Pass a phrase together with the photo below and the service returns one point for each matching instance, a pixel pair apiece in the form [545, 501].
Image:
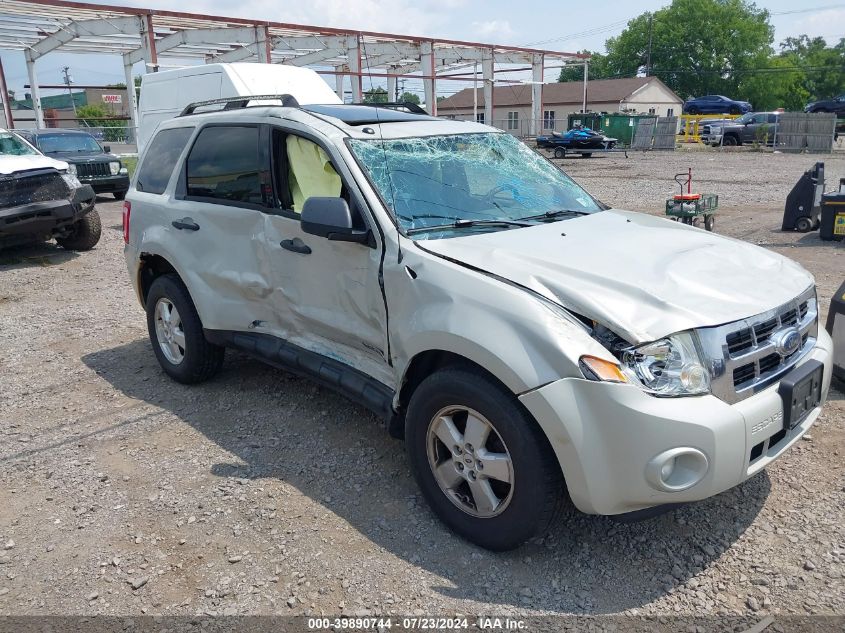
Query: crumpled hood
[12, 164]
[644, 277]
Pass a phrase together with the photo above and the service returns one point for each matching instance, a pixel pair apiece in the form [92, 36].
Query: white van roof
[305, 85]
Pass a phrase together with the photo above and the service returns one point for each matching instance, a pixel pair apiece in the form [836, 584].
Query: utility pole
[648, 58]
[68, 82]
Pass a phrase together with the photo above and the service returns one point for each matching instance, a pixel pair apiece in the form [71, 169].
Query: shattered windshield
[12, 145]
[469, 179]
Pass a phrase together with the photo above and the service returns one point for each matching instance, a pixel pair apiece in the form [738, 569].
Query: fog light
[676, 469]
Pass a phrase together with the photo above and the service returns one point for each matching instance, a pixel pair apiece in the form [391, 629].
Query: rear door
[216, 226]
[327, 295]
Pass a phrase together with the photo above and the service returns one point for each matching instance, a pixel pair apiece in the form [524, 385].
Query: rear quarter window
[160, 159]
[225, 165]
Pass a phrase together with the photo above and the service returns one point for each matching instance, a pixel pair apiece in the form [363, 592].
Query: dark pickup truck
[39, 200]
[835, 105]
[753, 127]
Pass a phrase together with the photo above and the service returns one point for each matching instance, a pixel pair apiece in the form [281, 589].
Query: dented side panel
[328, 301]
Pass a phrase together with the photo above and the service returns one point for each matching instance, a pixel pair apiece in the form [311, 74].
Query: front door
[327, 295]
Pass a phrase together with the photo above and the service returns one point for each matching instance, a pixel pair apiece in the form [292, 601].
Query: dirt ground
[122, 492]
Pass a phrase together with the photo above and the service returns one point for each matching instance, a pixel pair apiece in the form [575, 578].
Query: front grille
[88, 170]
[743, 356]
[37, 186]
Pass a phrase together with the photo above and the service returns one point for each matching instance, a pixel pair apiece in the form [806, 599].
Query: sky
[558, 26]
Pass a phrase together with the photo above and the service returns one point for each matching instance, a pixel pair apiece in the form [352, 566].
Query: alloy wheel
[169, 332]
[470, 462]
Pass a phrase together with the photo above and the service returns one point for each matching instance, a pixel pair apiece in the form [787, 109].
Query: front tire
[176, 333]
[482, 463]
[119, 195]
[84, 233]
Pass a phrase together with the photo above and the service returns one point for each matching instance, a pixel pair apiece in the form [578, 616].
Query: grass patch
[130, 162]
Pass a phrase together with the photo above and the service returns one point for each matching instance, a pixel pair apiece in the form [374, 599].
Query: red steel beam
[296, 27]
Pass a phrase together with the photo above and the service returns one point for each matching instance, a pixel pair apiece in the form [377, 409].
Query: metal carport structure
[150, 35]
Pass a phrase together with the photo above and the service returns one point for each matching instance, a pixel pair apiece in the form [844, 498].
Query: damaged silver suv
[525, 339]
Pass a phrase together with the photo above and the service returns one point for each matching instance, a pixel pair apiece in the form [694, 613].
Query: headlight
[71, 169]
[668, 367]
[114, 168]
[71, 180]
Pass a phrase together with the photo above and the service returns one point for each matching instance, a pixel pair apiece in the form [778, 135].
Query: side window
[225, 164]
[160, 159]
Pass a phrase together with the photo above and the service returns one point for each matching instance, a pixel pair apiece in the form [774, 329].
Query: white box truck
[165, 94]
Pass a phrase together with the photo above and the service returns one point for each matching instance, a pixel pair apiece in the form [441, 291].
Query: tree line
[699, 47]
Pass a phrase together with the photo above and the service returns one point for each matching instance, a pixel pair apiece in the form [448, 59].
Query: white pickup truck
[40, 200]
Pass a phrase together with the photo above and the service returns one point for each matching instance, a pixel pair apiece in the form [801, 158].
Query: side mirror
[332, 219]
[107, 149]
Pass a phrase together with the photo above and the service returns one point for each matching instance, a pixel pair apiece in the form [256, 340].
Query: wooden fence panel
[799, 131]
[664, 133]
[643, 133]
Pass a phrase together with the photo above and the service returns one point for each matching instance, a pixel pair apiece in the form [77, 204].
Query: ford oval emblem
[787, 341]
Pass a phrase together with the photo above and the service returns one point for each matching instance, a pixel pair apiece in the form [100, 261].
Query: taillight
[127, 210]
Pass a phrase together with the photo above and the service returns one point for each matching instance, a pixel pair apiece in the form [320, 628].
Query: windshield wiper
[550, 215]
[466, 223]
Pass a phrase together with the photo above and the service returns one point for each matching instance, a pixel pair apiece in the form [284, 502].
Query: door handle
[296, 245]
[187, 224]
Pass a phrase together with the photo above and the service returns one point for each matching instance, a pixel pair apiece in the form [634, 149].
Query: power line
[809, 10]
[613, 25]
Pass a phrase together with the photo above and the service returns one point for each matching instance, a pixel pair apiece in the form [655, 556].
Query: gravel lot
[122, 492]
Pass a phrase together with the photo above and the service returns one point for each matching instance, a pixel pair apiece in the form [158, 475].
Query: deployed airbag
[311, 172]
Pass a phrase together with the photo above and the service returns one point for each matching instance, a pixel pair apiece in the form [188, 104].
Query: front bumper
[107, 184]
[712, 139]
[605, 435]
[46, 216]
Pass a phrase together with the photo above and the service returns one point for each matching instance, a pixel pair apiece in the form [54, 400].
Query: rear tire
[119, 195]
[84, 233]
[709, 221]
[176, 333]
[489, 439]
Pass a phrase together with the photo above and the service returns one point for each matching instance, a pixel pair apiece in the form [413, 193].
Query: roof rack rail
[413, 108]
[233, 103]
